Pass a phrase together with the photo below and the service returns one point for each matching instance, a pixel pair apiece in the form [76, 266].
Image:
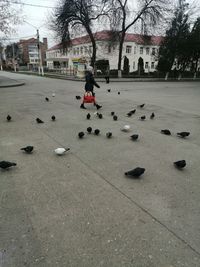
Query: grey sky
[38, 16]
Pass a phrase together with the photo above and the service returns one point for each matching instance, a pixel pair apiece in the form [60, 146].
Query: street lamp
[40, 66]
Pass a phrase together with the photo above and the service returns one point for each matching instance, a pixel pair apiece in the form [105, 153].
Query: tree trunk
[120, 54]
[94, 48]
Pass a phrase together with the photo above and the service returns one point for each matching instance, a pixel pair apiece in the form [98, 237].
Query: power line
[25, 4]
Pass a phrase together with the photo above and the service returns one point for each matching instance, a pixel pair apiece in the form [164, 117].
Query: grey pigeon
[9, 118]
[152, 116]
[166, 132]
[53, 118]
[28, 149]
[109, 135]
[134, 137]
[136, 173]
[6, 164]
[183, 134]
[180, 164]
[81, 134]
[89, 129]
[39, 120]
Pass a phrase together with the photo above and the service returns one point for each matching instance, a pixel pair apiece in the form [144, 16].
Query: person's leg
[82, 105]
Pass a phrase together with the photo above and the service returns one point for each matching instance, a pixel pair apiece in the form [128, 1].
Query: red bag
[88, 97]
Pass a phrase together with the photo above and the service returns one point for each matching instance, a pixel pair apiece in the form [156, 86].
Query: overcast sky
[38, 16]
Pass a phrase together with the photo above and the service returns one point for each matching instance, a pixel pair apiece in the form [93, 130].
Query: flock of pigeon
[135, 173]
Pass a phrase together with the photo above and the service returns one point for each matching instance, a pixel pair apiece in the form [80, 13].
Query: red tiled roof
[106, 36]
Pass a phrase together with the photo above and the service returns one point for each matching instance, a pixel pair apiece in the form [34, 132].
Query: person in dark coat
[89, 85]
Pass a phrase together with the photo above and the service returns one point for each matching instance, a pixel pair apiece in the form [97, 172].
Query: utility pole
[13, 50]
[40, 67]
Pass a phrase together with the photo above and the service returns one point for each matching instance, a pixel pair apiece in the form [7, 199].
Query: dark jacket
[90, 82]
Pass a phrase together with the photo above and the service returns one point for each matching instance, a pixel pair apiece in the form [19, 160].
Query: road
[79, 209]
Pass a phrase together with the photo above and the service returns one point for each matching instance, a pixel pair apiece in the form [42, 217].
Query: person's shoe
[82, 106]
[98, 106]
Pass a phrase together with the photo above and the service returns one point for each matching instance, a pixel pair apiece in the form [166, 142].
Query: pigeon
[53, 94]
[39, 120]
[47, 99]
[142, 118]
[109, 135]
[129, 114]
[89, 130]
[61, 150]
[6, 164]
[118, 93]
[115, 118]
[100, 115]
[137, 172]
[112, 113]
[81, 134]
[134, 137]
[126, 128]
[9, 118]
[183, 134]
[96, 132]
[166, 132]
[141, 106]
[78, 97]
[53, 118]
[180, 164]
[27, 149]
[109, 90]
[152, 116]
[88, 116]
[133, 111]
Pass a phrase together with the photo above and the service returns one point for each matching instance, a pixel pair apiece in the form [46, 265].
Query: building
[79, 52]
[29, 54]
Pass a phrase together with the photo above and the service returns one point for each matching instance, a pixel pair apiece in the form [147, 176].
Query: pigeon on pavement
[180, 164]
[134, 137]
[47, 99]
[142, 118]
[88, 116]
[61, 150]
[126, 128]
[6, 164]
[78, 97]
[136, 173]
[53, 118]
[141, 106]
[152, 116]
[96, 131]
[112, 113]
[108, 134]
[9, 118]
[166, 132]
[89, 129]
[28, 149]
[115, 118]
[39, 120]
[81, 134]
[183, 134]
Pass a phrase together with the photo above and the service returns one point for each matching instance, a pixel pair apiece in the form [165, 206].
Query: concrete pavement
[79, 209]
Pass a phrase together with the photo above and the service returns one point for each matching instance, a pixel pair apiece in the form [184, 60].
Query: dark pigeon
[134, 137]
[53, 118]
[141, 106]
[183, 134]
[109, 90]
[133, 111]
[96, 132]
[112, 113]
[166, 132]
[109, 135]
[88, 116]
[47, 99]
[129, 114]
[136, 173]
[115, 118]
[152, 116]
[9, 118]
[89, 129]
[78, 97]
[6, 164]
[39, 120]
[28, 149]
[81, 134]
[118, 93]
[180, 164]
[100, 115]
[143, 118]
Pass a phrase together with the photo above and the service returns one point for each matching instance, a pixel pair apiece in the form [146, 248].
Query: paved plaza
[79, 210]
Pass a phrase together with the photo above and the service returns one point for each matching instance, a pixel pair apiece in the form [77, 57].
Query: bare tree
[147, 11]
[9, 16]
[78, 14]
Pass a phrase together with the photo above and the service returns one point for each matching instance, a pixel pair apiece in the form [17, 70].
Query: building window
[146, 65]
[81, 50]
[153, 65]
[153, 51]
[135, 49]
[133, 64]
[147, 51]
[128, 49]
[141, 50]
